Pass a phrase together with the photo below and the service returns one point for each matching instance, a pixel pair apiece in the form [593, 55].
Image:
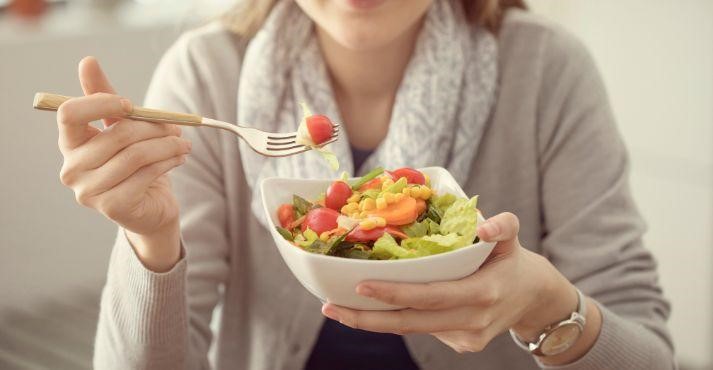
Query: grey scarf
[438, 117]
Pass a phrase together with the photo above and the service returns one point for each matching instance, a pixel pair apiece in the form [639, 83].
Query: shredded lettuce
[433, 244]
[306, 239]
[386, 248]
[398, 186]
[461, 218]
[329, 156]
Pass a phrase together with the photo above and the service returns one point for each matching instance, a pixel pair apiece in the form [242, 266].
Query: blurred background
[656, 57]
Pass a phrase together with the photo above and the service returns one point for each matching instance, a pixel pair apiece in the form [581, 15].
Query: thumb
[503, 229]
[93, 80]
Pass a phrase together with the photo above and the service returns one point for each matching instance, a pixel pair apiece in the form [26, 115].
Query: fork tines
[284, 145]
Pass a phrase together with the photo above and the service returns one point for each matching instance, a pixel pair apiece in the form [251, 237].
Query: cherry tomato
[371, 184]
[396, 232]
[411, 175]
[320, 128]
[286, 215]
[337, 195]
[320, 220]
[359, 235]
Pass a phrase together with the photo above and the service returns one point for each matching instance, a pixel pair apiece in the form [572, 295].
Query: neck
[368, 74]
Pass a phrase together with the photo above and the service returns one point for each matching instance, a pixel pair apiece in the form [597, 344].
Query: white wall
[656, 57]
[48, 244]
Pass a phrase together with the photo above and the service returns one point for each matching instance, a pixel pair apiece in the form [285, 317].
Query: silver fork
[270, 144]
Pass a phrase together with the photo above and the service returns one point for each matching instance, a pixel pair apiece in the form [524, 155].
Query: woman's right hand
[121, 171]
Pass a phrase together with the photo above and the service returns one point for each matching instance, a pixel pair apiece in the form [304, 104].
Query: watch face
[560, 339]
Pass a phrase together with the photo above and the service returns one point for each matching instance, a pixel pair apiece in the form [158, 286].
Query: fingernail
[330, 312]
[126, 105]
[365, 290]
[189, 145]
[490, 228]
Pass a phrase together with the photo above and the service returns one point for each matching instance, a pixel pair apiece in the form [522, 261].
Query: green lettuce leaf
[398, 186]
[461, 218]
[386, 248]
[302, 205]
[416, 229]
[306, 239]
[433, 244]
[285, 233]
[329, 156]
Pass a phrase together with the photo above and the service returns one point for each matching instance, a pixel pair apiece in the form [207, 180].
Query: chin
[361, 38]
[365, 28]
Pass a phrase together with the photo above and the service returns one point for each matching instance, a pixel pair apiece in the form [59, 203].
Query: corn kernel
[380, 221]
[354, 197]
[353, 205]
[399, 197]
[416, 192]
[406, 191]
[346, 209]
[388, 197]
[363, 214]
[324, 236]
[425, 192]
[367, 224]
[381, 203]
[368, 204]
[386, 183]
[354, 215]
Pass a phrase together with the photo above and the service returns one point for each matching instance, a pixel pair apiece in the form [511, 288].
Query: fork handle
[51, 102]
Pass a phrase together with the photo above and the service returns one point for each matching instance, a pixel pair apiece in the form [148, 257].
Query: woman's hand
[121, 171]
[515, 288]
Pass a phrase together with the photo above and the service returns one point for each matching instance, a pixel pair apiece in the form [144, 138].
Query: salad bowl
[334, 279]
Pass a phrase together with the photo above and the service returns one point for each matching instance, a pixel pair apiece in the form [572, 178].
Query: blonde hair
[247, 17]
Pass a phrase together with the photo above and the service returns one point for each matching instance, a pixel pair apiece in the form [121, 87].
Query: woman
[511, 105]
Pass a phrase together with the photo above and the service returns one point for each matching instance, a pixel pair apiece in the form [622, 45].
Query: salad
[313, 131]
[384, 215]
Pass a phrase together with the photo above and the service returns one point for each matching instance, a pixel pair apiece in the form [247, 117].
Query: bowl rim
[479, 244]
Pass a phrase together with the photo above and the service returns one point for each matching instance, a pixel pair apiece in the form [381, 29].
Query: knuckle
[83, 197]
[125, 132]
[66, 112]
[109, 208]
[134, 156]
[66, 176]
[488, 296]
[177, 144]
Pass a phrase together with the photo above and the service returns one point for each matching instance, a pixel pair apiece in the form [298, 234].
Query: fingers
[502, 227]
[142, 179]
[409, 320]
[130, 160]
[102, 147]
[429, 296]
[471, 290]
[74, 116]
[93, 80]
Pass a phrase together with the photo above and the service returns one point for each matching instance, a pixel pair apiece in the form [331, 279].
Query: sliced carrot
[402, 212]
[421, 206]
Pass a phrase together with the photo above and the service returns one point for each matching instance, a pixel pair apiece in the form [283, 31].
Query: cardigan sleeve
[162, 321]
[592, 229]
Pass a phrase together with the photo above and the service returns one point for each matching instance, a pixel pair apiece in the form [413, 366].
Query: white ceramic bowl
[334, 279]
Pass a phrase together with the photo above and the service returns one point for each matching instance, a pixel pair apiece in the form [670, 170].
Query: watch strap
[579, 317]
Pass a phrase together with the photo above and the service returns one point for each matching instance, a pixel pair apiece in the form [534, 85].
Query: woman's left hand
[514, 288]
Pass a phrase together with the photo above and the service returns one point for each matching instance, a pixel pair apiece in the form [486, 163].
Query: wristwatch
[560, 336]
